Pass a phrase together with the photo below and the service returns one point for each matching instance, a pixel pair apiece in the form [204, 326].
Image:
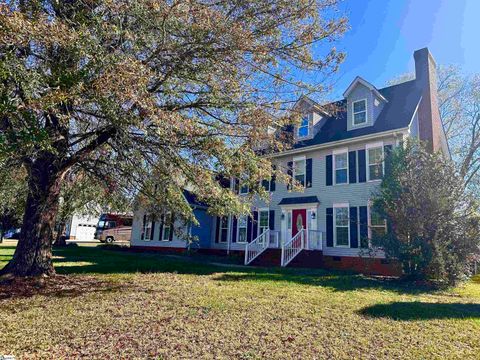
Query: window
[147, 229]
[167, 228]
[242, 229]
[289, 220]
[244, 189]
[375, 163]
[299, 170]
[341, 227]
[263, 216]
[266, 185]
[378, 225]
[223, 229]
[341, 168]
[359, 112]
[304, 127]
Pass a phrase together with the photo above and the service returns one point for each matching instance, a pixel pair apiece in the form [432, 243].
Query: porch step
[308, 259]
[270, 257]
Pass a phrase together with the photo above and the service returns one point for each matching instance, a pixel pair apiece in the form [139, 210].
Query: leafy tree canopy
[151, 96]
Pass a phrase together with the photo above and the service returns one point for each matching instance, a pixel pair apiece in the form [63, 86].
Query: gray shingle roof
[396, 114]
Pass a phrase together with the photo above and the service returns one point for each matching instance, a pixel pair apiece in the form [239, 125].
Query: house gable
[362, 93]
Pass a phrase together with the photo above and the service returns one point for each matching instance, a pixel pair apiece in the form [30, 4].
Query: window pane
[224, 223]
[263, 218]
[300, 167]
[341, 216]
[360, 118]
[375, 171]
[375, 155]
[341, 161]
[166, 233]
[359, 106]
[342, 236]
[303, 128]
[242, 221]
[341, 176]
[376, 219]
[242, 235]
[378, 231]
[289, 220]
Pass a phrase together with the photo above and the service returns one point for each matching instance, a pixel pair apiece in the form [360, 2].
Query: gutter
[339, 142]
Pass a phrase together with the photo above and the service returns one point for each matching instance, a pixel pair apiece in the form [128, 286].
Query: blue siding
[204, 230]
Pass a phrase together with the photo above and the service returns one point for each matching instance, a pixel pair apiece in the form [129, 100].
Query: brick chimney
[429, 122]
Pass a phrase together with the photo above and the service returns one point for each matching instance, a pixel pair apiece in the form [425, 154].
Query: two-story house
[338, 157]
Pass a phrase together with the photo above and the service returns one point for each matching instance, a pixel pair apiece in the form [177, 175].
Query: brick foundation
[306, 259]
[369, 266]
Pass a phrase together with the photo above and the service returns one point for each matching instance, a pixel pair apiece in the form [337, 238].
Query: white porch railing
[257, 246]
[274, 239]
[315, 240]
[293, 247]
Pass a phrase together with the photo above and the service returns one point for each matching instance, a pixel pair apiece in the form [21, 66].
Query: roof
[397, 113]
[192, 199]
[299, 200]
[364, 82]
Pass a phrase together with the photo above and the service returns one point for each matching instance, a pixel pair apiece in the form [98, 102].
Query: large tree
[119, 90]
[459, 105]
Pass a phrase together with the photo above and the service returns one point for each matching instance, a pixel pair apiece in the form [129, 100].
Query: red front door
[299, 220]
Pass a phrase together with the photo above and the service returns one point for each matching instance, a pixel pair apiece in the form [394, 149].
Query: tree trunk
[33, 255]
[61, 240]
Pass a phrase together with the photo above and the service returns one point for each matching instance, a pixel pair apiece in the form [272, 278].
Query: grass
[117, 304]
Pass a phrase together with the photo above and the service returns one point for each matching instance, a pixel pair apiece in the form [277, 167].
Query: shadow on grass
[97, 260]
[412, 311]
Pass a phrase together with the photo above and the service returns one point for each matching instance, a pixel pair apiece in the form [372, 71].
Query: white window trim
[148, 224]
[375, 145]
[294, 160]
[267, 210]
[166, 219]
[335, 153]
[238, 229]
[358, 112]
[309, 127]
[220, 231]
[335, 206]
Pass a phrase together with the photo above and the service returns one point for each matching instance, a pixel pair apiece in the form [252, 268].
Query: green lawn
[116, 304]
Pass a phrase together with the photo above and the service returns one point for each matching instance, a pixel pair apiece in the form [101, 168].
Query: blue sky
[384, 34]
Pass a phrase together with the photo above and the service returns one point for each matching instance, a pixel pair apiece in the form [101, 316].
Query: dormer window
[304, 127]
[359, 112]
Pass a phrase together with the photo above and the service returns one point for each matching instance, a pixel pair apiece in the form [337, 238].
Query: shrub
[433, 222]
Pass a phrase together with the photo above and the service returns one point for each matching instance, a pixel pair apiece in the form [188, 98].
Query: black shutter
[362, 166]
[142, 237]
[236, 186]
[217, 228]
[290, 173]
[162, 220]
[172, 221]
[387, 150]
[273, 179]
[308, 170]
[271, 220]
[255, 225]
[234, 229]
[352, 167]
[265, 184]
[152, 232]
[329, 170]
[330, 227]
[353, 227]
[363, 227]
[249, 229]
